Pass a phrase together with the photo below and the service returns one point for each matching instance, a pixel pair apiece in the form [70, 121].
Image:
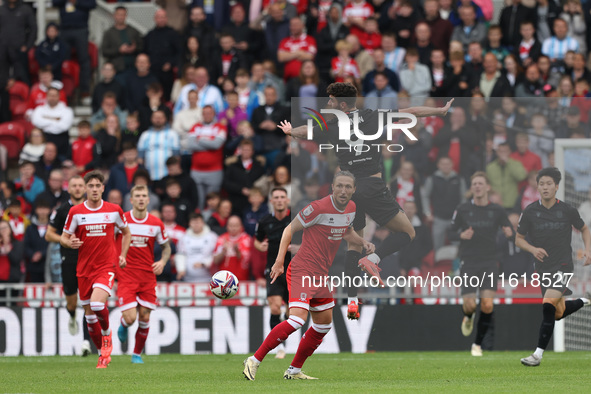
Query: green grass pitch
[357, 373]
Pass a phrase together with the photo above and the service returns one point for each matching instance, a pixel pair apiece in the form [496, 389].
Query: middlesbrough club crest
[107, 217]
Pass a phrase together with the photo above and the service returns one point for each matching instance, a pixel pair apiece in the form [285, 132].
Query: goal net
[573, 159]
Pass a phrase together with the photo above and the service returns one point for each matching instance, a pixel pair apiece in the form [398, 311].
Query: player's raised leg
[297, 318]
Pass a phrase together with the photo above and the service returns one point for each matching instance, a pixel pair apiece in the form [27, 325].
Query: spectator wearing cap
[109, 106]
[55, 119]
[163, 45]
[121, 43]
[108, 84]
[74, 24]
[556, 46]
[54, 195]
[137, 83]
[188, 186]
[52, 51]
[296, 48]
[153, 102]
[206, 94]
[157, 144]
[28, 185]
[18, 32]
[38, 94]
[122, 173]
[142, 177]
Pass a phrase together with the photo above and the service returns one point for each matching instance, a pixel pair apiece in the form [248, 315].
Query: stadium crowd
[191, 109]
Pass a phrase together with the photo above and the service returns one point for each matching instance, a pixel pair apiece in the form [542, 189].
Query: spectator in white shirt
[187, 118]
[207, 94]
[195, 251]
[55, 118]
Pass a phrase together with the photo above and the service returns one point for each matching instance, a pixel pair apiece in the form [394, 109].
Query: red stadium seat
[33, 66]
[20, 91]
[26, 125]
[18, 110]
[94, 55]
[71, 69]
[12, 136]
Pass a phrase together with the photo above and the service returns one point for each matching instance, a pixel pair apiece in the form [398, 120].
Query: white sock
[254, 359]
[374, 258]
[585, 300]
[539, 352]
[106, 332]
[293, 370]
[352, 299]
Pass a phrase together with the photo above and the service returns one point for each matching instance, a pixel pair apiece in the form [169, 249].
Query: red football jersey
[357, 10]
[144, 234]
[96, 229]
[324, 227]
[239, 267]
[38, 96]
[211, 159]
[293, 44]
[175, 232]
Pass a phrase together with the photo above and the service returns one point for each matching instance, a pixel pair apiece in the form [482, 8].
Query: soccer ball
[224, 285]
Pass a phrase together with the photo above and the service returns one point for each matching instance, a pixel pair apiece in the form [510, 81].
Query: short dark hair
[245, 142]
[127, 145]
[278, 189]
[552, 172]
[382, 74]
[41, 203]
[94, 175]
[195, 215]
[26, 163]
[172, 160]
[345, 91]
[141, 173]
[172, 181]
[120, 8]
[84, 123]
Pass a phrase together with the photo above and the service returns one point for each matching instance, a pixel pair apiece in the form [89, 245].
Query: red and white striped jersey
[175, 232]
[208, 160]
[292, 44]
[357, 10]
[350, 66]
[324, 227]
[144, 234]
[96, 229]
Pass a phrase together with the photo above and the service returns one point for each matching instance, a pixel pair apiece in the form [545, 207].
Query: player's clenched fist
[122, 262]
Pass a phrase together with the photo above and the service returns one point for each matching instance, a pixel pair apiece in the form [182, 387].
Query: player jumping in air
[548, 224]
[267, 239]
[90, 227]
[325, 223]
[373, 197]
[478, 222]
[137, 279]
[57, 221]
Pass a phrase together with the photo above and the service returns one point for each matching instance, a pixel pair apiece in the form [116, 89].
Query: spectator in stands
[371, 39]
[173, 196]
[442, 193]
[185, 119]
[33, 150]
[406, 186]
[556, 46]
[354, 15]
[173, 229]
[121, 44]
[219, 218]
[438, 70]
[137, 83]
[17, 219]
[153, 102]
[249, 41]
[131, 132]
[573, 125]
[403, 20]
[541, 138]
[265, 120]
[156, 144]
[35, 243]
[18, 32]
[531, 85]
[529, 48]
[188, 186]
[52, 51]
[192, 57]
[38, 94]
[55, 119]
[394, 55]
[457, 141]
[206, 142]
[380, 66]
[142, 177]
[48, 162]
[491, 82]
[195, 251]
[307, 86]
[296, 48]
[109, 106]
[115, 197]
[505, 174]
[121, 174]
[234, 114]
[11, 257]
[471, 30]
[212, 202]
[343, 65]
[383, 96]
[579, 70]
[185, 78]
[74, 24]
[199, 28]
[207, 94]
[8, 192]
[512, 17]
[228, 60]
[54, 195]
[415, 77]
[108, 145]
[277, 28]
[411, 257]
[82, 147]
[241, 174]
[475, 65]
[163, 45]
[422, 42]
[108, 84]
[254, 211]
[362, 57]
[530, 161]
[493, 44]
[529, 193]
[575, 17]
[233, 250]
[441, 29]
[328, 37]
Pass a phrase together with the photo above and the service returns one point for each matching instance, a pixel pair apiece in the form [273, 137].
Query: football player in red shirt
[90, 228]
[325, 223]
[137, 280]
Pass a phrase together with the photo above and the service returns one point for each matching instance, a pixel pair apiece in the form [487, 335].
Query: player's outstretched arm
[586, 234]
[522, 244]
[421, 112]
[293, 227]
[298, 132]
[158, 266]
[125, 241]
